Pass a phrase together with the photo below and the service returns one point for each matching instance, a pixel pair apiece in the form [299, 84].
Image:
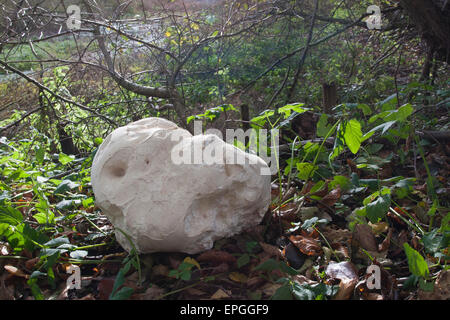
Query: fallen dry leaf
[220, 294]
[374, 296]
[331, 198]
[337, 235]
[341, 250]
[346, 287]
[152, 293]
[160, 270]
[364, 238]
[271, 250]
[386, 242]
[30, 263]
[379, 227]
[269, 289]
[255, 282]
[6, 293]
[323, 191]
[238, 277]
[347, 274]
[306, 245]
[195, 292]
[287, 212]
[104, 288]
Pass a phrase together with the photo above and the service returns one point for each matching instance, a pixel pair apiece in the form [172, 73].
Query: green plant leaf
[10, 215]
[243, 260]
[377, 209]
[432, 241]
[305, 170]
[64, 186]
[287, 109]
[353, 135]
[123, 294]
[417, 264]
[65, 159]
[283, 293]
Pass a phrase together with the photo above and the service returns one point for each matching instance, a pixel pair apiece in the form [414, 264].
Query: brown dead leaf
[341, 250]
[331, 198]
[352, 166]
[307, 187]
[105, 288]
[287, 212]
[374, 296]
[306, 245]
[132, 281]
[220, 294]
[269, 289]
[386, 242]
[346, 287]
[323, 191]
[238, 277]
[216, 257]
[379, 227]
[255, 282]
[301, 279]
[29, 264]
[364, 238]
[337, 235]
[6, 293]
[271, 250]
[195, 292]
[221, 268]
[347, 274]
[152, 293]
[160, 270]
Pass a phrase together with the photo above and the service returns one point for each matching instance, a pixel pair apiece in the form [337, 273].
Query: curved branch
[41, 86]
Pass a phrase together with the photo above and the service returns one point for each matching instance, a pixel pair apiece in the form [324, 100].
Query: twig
[41, 86]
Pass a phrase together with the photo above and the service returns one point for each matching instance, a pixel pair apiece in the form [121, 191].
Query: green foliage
[292, 290]
[212, 114]
[417, 264]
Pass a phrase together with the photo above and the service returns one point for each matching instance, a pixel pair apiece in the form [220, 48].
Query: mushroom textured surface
[170, 191]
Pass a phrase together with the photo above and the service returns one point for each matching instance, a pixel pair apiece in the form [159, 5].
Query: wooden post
[329, 97]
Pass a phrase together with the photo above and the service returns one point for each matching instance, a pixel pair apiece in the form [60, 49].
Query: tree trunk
[432, 19]
[329, 97]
